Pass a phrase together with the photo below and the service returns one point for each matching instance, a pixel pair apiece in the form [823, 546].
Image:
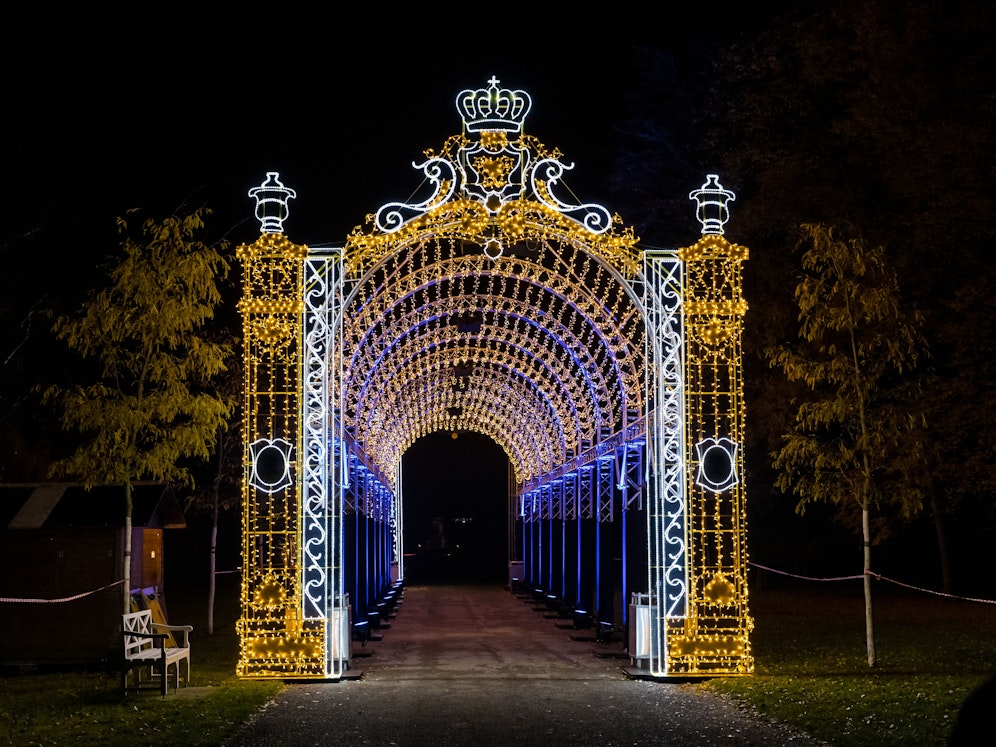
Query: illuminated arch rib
[570, 377]
[553, 343]
[450, 364]
[515, 421]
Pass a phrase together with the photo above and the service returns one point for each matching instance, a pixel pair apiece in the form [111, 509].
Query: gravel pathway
[464, 665]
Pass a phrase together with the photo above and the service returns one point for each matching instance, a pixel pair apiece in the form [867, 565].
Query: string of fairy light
[714, 311]
[272, 628]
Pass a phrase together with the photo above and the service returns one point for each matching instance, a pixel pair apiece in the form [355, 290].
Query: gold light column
[713, 638]
[275, 640]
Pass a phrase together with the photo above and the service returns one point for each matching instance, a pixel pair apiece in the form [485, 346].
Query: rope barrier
[64, 599]
[931, 591]
[17, 600]
[807, 578]
[879, 577]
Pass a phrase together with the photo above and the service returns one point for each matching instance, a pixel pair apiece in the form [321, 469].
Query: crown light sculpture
[491, 176]
[609, 373]
[493, 109]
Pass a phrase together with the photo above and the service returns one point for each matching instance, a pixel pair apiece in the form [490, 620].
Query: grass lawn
[808, 643]
[812, 671]
[77, 707]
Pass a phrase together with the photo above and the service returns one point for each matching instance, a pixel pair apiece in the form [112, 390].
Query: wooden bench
[152, 649]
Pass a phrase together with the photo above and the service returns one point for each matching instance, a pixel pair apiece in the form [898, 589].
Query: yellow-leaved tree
[154, 406]
[856, 432]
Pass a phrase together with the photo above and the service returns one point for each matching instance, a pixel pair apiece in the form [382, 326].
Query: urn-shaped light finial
[712, 202]
[271, 203]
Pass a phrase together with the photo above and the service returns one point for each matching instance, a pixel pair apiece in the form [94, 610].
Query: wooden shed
[61, 554]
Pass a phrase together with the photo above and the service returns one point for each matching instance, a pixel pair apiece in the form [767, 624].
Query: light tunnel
[608, 373]
[468, 343]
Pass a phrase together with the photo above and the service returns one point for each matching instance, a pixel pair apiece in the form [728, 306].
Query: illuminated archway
[609, 374]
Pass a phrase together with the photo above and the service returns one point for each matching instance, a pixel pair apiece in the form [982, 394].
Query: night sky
[107, 110]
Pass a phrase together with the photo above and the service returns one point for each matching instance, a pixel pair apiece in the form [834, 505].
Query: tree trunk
[213, 569]
[215, 510]
[126, 560]
[942, 541]
[866, 486]
[869, 627]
